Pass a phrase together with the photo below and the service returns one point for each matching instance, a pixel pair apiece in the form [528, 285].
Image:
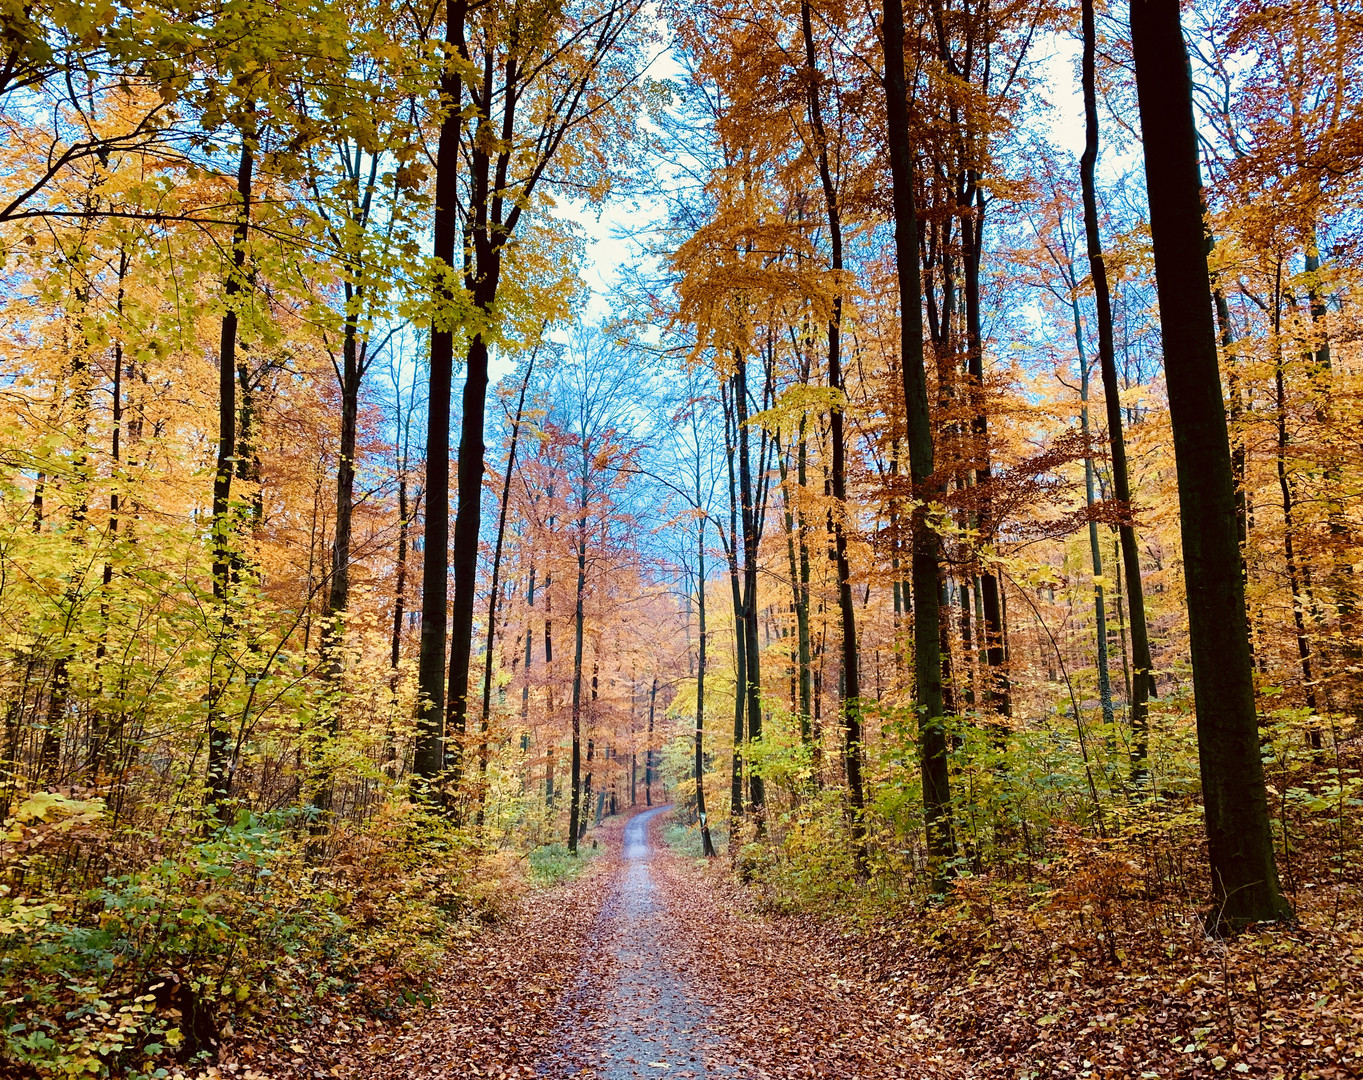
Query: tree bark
[575, 817]
[1244, 875]
[926, 601]
[749, 517]
[1095, 553]
[219, 786]
[708, 845]
[496, 594]
[1142, 679]
[851, 674]
[429, 758]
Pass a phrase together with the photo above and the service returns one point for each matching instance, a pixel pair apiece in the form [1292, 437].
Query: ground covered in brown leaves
[651, 964]
[643, 966]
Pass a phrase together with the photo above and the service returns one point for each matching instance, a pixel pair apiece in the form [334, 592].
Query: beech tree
[1243, 870]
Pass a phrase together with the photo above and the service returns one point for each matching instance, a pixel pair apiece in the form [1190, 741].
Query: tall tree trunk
[799, 581]
[400, 580]
[575, 809]
[496, 594]
[648, 745]
[1341, 577]
[1000, 692]
[749, 513]
[338, 593]
[529, 647]
[1142, 680]
[707, 844]
[1294, 575]
[1244, 874]
[736, 809]
[1095, 553]
[105, 731]
[926, 602]
[429, 756]
[219, 787]
[851, 674]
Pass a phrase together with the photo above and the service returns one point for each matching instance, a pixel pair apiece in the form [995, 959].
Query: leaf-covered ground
[653, 964]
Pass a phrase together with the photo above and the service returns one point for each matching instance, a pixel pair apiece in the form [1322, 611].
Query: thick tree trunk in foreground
[1240, 842]
[926, 600]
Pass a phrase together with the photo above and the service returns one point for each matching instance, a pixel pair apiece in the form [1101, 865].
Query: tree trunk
[707, 844]
[1294, 575]
[429, 758]
[1095, 553]
[926, 602]
[1244, 874]
[740, 636]
[575, 817]
[1142, 681]
[851, 675]
[749, 513]
[219, 786]
[1000, 692]
[496, 595]
[648, 748]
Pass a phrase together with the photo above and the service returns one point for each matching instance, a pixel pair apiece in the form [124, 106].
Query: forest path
[630, 1013]
[651, 964]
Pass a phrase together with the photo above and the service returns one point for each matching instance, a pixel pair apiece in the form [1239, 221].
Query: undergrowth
[127, 949]
[1072, 928]
[551, 864]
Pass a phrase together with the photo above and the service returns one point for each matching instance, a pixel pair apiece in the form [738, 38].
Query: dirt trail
[630, 1012]
[651, 966]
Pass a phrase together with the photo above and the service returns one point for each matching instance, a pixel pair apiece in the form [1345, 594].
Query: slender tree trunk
[105, 733]
[748, 516]
[1294, 575]
[1095, 553]
[927, 609]
[219, 786]
[496, 595]
[1244, 875]
[575, 808]
[1142, 681]
[529, 648]
[851, 675]
[999, 689]
[1341, 575]
[707, 844]
[648, 748]
[797, 551]
[740, 633]
[400, 580]
[429, 758]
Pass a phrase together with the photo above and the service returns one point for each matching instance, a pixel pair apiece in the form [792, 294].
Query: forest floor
[650, 965]
[643, 966]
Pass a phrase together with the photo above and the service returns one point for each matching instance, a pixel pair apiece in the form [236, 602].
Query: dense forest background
[357, 561]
